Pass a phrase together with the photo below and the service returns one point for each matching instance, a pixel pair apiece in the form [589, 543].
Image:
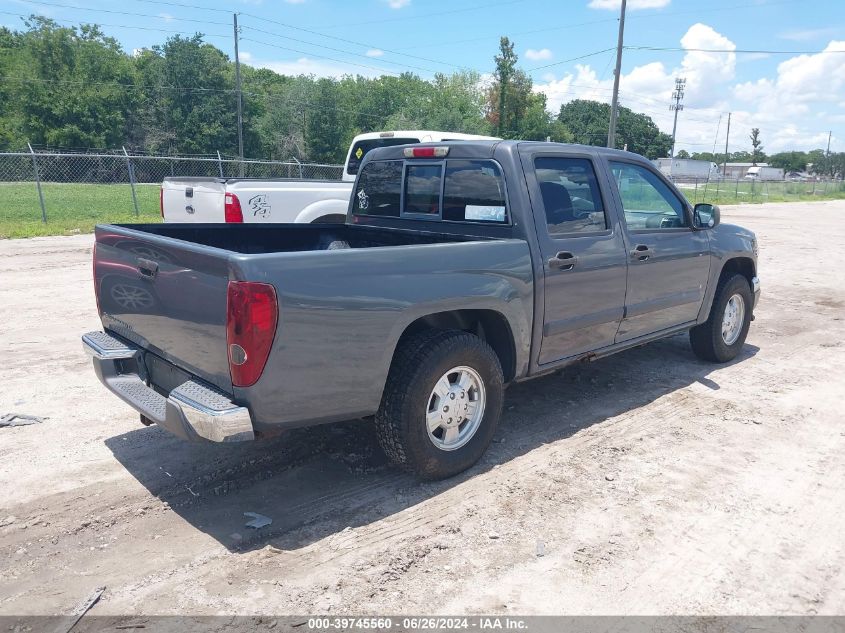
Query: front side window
[570, 195]
[647, 200]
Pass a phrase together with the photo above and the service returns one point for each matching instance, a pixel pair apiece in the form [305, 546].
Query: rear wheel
[441, 403]
[721, 337]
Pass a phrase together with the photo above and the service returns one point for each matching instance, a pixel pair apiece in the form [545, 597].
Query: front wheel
[721, 337]
[441, 404]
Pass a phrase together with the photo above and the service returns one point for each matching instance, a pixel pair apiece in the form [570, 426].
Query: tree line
[817, 161]
[75, 87]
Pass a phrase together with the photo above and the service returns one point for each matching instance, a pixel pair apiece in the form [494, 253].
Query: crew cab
[262, 201]
[461, 268]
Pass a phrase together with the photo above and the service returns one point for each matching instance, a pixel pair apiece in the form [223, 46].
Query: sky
[791, 85]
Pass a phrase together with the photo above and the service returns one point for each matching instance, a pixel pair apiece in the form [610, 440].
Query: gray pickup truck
[462, 267]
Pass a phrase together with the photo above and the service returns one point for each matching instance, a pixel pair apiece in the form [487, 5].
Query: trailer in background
[688, 169]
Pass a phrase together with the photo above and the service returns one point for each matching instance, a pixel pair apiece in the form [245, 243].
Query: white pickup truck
[282, 200]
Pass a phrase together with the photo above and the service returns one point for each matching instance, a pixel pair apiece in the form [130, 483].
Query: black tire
[418, 364]
[706, 339]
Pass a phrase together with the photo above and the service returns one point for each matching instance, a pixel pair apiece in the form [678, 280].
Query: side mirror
[705, 215]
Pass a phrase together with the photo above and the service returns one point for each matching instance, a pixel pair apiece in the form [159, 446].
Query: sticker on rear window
[484, 213]
[363, 200]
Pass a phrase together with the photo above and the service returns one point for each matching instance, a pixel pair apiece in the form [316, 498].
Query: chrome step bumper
[193, 410]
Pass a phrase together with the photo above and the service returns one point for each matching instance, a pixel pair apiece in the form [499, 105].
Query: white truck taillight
[232, 209]
[252, 312]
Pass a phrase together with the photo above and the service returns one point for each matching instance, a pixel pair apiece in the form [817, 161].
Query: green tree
[189, 98]
[757, 154]
[505, 67]
[789, 161]
[66, 87]
[588, 122]
[682, 154]
[322, 139]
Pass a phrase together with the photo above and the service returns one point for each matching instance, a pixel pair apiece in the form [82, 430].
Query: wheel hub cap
[733, 319]
[455, 408]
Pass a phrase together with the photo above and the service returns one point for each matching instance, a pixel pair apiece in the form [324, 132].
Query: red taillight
[161, 201]
[425, 152]
[233, 209]
[252, 313]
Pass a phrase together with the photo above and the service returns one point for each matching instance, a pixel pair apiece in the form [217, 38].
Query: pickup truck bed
[461, 268]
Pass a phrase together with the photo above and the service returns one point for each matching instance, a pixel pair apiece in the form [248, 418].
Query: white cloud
[245, 56]
[374, 52]
[788, 108]
[166, 17]
[803, 35]
[398, 4]
[538, 55]
[632, 5]
[295, 1]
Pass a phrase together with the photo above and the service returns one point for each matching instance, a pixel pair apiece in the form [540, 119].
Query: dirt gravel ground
[645, 483]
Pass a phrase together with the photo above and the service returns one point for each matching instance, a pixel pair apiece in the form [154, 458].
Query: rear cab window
[362, 147]
[452, 190]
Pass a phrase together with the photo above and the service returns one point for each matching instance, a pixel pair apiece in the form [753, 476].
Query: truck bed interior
[274, 238]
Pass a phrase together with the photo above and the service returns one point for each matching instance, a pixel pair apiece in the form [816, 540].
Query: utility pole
[678, 95]
[614, 106]
[727, 137]
[827, 153]
[238, 95]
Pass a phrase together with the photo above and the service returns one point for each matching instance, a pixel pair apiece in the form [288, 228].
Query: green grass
[731, 192]
[72, 208]
[76, 208]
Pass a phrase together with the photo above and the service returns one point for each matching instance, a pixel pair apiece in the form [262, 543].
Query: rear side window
[465, 191]
[362, 147]
[474, 192]
[570, 193]
[379, 189]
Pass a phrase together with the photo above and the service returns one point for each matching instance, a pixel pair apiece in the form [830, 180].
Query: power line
[333, 59]
[724, 50]
[427, 15]
[170, 3]
[346, 40]
[572, 59]
[338, 50]
[138, 15]
[115, 26]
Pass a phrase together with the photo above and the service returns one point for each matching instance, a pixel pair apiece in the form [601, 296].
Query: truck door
[668, 261]
[583, 254]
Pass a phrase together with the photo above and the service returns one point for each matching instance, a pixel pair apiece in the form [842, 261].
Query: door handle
[147, 268]
[641, 253]
[564, 260]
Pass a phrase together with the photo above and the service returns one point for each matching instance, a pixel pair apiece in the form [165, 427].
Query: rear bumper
[755, 288]
[192, 411]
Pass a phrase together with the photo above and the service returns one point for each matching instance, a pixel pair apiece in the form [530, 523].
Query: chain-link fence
[723, 191]
[70, 192]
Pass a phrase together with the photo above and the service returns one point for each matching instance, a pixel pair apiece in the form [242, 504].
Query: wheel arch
[738, 265]
[489, 325]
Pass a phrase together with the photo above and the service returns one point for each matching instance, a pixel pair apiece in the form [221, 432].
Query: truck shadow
[316, 482]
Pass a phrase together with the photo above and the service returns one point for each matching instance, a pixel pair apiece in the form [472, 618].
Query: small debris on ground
[19, 419]
[540, 549]
[258, 520]
[610, 477]
[493, 535]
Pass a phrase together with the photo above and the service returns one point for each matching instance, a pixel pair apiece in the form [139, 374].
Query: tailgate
[167, 296]
[193, 200]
